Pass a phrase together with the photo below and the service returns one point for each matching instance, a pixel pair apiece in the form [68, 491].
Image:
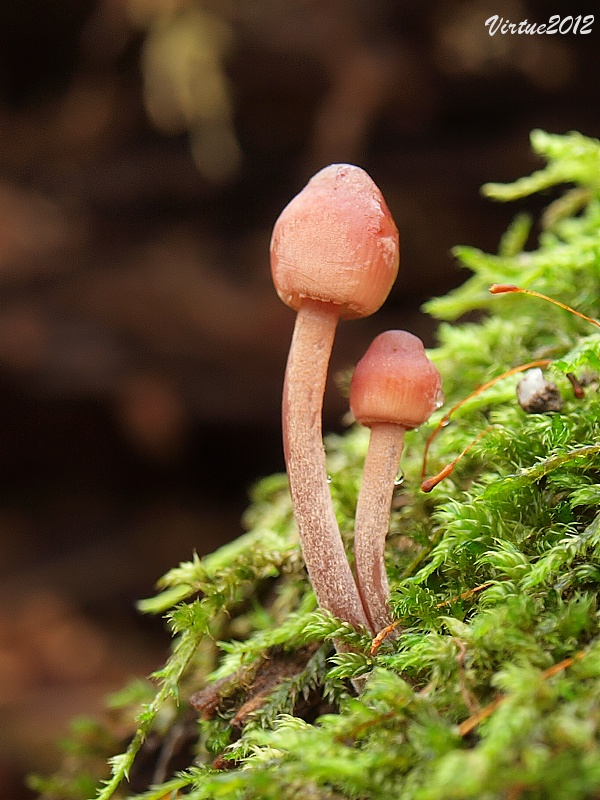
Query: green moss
[518, 516]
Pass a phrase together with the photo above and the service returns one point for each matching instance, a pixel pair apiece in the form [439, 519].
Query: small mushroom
[394, 388]
[334, 253]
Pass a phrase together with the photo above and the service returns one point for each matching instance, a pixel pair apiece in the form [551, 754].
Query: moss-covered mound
[490, 686]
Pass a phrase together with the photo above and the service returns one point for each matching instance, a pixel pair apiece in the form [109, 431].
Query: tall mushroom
[334, 254]
[394, 388]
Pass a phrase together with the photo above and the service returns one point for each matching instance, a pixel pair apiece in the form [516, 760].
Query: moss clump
[492, 693]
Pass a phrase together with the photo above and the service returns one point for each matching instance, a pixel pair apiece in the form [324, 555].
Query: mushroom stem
[372, 520]
[304, 387]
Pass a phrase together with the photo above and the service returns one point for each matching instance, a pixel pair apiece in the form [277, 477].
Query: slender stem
[373, 519]
[430, 483]
[304, 387]
[503, 288]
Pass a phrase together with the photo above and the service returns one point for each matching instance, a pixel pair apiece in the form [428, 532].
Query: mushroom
[394, 388]
[334, 254]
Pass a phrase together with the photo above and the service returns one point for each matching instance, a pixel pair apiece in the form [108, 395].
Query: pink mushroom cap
[395, 382]
[336, 242]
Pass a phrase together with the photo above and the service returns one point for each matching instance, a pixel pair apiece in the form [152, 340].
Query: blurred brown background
[146, 148]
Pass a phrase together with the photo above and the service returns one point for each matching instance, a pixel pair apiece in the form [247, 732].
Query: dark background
[146, 148]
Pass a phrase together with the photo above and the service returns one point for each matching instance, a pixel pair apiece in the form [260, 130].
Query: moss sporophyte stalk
[490, 686]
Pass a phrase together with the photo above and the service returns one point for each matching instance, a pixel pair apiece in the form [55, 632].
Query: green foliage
[492, 693]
